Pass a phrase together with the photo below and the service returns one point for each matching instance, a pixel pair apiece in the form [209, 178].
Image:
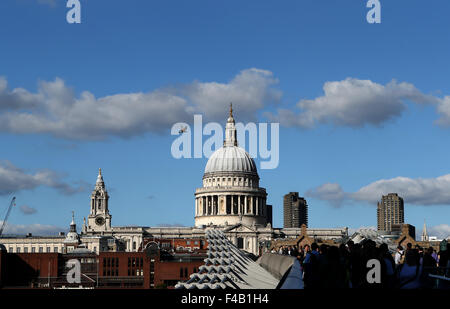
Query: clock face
[99, 221]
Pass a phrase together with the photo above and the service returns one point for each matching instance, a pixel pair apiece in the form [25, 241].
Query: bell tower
[99, 219]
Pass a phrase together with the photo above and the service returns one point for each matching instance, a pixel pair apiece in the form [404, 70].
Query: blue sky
[359, 105]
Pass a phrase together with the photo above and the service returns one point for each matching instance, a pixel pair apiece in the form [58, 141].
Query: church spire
[230, 130]
[100, 177]
[424, 232]
[73, 226]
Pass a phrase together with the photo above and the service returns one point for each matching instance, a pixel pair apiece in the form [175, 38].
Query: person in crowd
[302, 254]
[356, 266]
[388, 275]
[443, 254]
[289, 250]
[435, 256]
[337, 268]
[408, 246]
[294, 251]
[311, 277]
[399, 256]
[429, 267]
[410, 273]
[344, 260]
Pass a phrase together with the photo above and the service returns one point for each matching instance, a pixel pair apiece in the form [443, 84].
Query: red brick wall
[171, 270]
[44, 263]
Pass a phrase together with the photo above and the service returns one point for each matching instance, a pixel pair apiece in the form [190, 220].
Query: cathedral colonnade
[230, 204]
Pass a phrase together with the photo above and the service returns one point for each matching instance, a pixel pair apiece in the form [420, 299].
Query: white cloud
[442, 231]
[443, 109]
[27, 210]
[250, 91]
[14, 179]
[36, 229]
[54, 109]
[331, 192]
[417, 191]
[354, 103]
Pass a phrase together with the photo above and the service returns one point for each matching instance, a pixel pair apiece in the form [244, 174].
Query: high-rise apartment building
[295, 210]
[390, 212]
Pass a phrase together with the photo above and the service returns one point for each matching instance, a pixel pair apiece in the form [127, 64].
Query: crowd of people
[345, 266]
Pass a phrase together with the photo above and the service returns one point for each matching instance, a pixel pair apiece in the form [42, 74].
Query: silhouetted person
[388, 275]
[311, 268]
[409, 273]
[429, 267]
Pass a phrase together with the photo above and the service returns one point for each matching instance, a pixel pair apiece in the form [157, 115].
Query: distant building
[390, 213]
[295, 210]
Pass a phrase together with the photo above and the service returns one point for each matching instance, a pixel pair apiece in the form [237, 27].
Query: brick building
[150, 268]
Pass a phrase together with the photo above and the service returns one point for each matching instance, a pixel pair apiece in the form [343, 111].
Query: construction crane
[13, 203]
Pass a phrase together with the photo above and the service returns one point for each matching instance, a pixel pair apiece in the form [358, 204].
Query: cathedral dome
[230, 159]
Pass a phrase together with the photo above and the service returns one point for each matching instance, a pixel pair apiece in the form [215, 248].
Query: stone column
[232, 202]
[209, 205]
[239, 204]
[245, 204]
[257, 205]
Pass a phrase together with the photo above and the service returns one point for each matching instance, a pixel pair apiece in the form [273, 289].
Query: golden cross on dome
[231, 109]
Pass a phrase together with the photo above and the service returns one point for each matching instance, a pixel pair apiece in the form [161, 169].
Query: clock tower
[99, 219]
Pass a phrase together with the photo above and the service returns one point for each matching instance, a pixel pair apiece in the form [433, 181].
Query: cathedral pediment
[241, 228]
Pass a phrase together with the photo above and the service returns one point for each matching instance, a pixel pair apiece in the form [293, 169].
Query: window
[18, 250]
[25, 249]
[41, 249]
[55, 249]
[48, 249]
[10, 249]
[33, 249]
